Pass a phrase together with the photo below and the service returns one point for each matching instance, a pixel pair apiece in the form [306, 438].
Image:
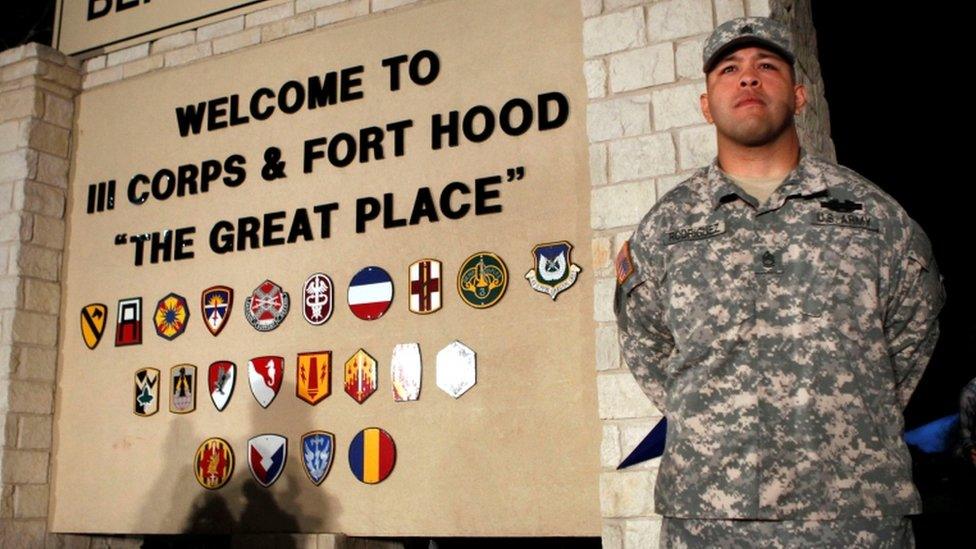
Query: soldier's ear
[799, 97]
[706, 111]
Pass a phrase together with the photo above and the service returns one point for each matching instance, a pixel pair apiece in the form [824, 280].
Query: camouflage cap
[747, 31]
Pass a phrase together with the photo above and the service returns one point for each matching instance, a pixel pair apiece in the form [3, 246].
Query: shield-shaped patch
[93, 319]
[147, 392]
[264, 374]
[314, 375]
[425, 286]
[317, 450]
[555, 270]
[183, 396]
[216, 303]
[220, 381]
[266, 455]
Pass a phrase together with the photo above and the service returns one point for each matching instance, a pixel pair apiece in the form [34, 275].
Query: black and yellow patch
[93, 319]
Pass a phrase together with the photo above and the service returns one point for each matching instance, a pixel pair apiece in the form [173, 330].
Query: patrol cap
[747, 31]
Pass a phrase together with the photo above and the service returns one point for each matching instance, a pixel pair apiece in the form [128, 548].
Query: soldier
[780, 310]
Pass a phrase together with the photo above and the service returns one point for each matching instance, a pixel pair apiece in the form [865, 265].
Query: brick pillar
[647, 133]
[37, 90]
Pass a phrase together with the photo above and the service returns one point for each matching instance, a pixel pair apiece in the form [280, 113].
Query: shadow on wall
[230, 515]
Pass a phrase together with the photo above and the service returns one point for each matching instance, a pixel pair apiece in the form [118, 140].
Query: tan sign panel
[459, 136]
[84, 26]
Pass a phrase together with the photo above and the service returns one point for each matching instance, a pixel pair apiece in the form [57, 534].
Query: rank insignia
[425, 286]
[482, 280]
[214, 463]
[128, 330]
[624, 266]
[220, 380]
[171, 316]
[372, 455]
[317, 294]
[456, 371]
[147, 392]
[266, 455]
[216, 303]
[360, 378]
[266, 307]
[555, 270]
[405, 372]
[265, 373]
[93, 319]
[370, 293]
[183, 396]
[314, 376]
[317, 450]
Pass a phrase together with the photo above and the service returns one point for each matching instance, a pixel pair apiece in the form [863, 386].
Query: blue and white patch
[555, 270]
[318, 447]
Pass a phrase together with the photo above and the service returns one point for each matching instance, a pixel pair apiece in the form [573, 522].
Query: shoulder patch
[624, 265]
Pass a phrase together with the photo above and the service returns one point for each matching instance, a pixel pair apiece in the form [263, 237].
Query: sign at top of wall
[98, 26]
[425, 172]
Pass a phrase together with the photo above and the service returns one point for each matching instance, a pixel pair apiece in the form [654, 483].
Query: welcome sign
[341, 278]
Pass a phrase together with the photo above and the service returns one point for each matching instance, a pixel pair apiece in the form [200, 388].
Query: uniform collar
[804, 180]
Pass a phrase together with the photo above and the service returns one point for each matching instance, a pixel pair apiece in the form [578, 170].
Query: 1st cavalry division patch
[147, 392]
[267, 306]
[214, 463]
[482, 280]
[171, 316]
[216, 304]
[93, 319]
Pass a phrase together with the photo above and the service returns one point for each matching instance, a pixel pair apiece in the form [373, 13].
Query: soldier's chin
[755, 136]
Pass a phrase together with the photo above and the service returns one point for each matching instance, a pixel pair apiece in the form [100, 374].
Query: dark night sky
[892, 77]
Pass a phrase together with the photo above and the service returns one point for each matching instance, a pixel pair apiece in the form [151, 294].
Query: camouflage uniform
[782, 341]
[967, 420]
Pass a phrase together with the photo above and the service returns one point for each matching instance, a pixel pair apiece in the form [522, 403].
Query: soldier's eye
[727, 68]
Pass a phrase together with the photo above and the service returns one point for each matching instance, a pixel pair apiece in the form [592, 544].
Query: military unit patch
[266, 455]
[482, 280]
[360, 376]
[372, 455]
[147, 392]
[314, 375]
[318, 448]
[456, 369]
[624, 266]
[267, 306]
[555, 270]
[214, 463]
[128, 329]
[220, 381]
[183, 396]
[93, 319]
[370, 293]
[317, 299]
[265, 374]
[171, 316]
[216, 303]
[425, 286]
[405, 370]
